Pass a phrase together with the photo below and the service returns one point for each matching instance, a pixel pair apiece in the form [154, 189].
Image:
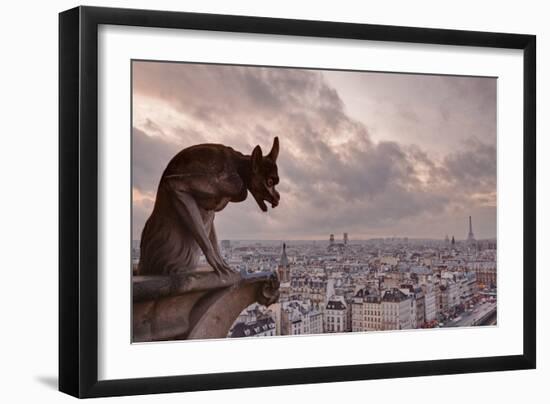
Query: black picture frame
[78, 200]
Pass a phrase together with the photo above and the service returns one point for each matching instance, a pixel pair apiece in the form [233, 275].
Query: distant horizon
[351, 240]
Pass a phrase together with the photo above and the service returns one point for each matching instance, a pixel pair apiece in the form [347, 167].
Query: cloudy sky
[371, 154]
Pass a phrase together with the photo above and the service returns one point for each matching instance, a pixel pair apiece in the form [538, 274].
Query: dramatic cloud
[338, 172]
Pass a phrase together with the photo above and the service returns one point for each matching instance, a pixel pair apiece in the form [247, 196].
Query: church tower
[283, 270]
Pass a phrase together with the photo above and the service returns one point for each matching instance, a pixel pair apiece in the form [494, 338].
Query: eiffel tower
[471, 239]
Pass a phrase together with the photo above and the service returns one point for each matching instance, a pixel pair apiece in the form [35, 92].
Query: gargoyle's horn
[256, 158]
[274, 150]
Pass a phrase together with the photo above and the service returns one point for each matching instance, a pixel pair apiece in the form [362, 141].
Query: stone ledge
[196, 305]
[149, 287]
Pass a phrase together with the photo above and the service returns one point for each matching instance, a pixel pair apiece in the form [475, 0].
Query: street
[470, 318]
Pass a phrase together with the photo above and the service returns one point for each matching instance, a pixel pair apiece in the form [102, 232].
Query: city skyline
[344, 287]
[345, 238]
[341, 287]
[374, 154]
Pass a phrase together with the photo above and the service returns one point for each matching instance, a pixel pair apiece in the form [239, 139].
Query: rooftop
[253, 328]
[394, 295]
[336, 303]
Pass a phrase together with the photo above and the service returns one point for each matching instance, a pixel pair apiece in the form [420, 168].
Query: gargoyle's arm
[189, 213]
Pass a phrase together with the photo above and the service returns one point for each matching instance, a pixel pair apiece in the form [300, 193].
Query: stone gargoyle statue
[173, 297]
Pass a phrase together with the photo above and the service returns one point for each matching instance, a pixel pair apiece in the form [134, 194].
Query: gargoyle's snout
[271, 196]
[275, 198]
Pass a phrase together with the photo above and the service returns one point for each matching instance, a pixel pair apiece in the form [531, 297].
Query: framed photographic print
[250, 201]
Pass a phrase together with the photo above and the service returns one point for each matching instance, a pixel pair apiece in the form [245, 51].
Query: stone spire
[283, 270]
[284, 259]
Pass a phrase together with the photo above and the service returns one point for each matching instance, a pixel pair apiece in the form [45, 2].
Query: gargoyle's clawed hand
[224, 269]
[219, 265]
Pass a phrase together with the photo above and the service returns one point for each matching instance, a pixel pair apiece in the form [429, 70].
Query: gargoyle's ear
[274, 150]
[256, 158]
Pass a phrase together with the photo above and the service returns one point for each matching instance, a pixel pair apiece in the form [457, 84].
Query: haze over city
[371, 154]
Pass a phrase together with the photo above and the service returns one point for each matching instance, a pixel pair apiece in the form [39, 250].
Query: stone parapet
[196, 305]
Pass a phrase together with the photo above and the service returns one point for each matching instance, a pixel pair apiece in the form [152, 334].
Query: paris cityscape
[383, 218]
[343, 285]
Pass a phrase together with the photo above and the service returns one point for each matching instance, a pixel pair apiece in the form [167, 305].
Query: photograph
[283, 201]
[228, 202]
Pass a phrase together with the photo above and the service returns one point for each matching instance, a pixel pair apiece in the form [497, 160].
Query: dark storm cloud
[334, 177]
[473, 167]
[150, 155]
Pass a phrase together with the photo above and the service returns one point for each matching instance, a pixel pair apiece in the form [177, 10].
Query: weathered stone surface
[198, 182]
[196, 305]
[172, 299]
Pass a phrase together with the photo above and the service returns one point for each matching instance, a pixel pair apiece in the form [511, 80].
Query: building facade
[396, 310]
[297, 318]
[366, 312]
[336, 315]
